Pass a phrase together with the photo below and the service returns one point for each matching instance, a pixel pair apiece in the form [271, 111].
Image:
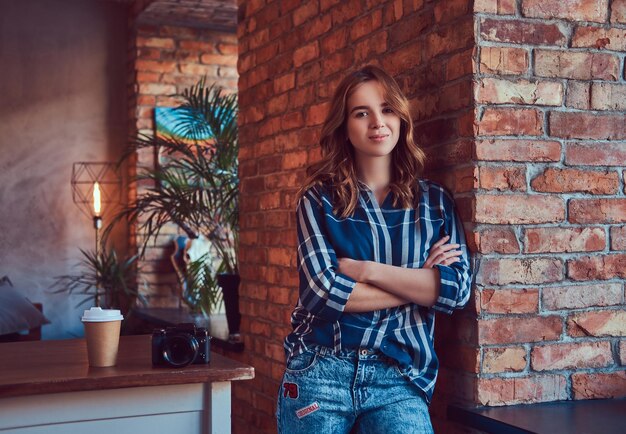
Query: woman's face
[372, 126]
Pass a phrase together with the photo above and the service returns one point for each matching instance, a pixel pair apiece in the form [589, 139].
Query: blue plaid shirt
[385, 234]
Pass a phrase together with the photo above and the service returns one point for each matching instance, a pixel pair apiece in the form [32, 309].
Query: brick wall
[549, 204]
[163, 61]
[291, 57]
[440, 90]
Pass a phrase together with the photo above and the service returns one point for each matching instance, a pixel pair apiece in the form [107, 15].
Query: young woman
[380, 250]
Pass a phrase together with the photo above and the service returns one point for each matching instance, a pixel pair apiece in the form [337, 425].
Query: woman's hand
[444, 254]
[354, 269]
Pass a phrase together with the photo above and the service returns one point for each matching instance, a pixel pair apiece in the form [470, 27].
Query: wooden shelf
[593, 416]
[32, 368]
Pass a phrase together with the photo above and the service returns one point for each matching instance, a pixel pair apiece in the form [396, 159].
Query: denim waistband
[350, 353]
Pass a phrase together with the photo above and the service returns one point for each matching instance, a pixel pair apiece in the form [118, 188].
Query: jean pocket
[302, 362]
[397, 370]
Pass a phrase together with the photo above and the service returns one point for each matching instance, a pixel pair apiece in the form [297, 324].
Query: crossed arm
[330, 285]
[381, 286]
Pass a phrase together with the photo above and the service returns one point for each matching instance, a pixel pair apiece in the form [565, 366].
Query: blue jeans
[353, 391]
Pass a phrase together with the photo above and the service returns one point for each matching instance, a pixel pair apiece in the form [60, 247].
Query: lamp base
[97, 222]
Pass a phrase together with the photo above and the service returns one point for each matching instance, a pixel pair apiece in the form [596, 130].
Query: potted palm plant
[196, 185]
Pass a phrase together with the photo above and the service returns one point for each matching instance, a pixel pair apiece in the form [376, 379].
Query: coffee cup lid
[97, 314]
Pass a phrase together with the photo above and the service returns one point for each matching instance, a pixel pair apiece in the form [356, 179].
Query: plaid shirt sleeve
[323, 291]
[456, 278]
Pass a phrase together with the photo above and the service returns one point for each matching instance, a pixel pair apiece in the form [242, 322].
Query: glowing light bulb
[96, 199]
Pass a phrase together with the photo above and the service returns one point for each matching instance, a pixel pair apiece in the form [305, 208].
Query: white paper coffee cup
[102, 334]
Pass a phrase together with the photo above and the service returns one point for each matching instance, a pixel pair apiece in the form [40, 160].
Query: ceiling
[206, 14]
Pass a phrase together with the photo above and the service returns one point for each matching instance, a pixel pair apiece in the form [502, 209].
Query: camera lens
[180, 350]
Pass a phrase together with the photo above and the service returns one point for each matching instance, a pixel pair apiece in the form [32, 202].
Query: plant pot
[230, 289]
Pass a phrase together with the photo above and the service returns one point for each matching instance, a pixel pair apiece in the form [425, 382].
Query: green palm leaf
[196, 183]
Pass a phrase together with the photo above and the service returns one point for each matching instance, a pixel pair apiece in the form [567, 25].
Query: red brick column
[550, 206]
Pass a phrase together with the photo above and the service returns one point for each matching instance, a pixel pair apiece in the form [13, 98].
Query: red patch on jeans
[307, 410]
[291, 390]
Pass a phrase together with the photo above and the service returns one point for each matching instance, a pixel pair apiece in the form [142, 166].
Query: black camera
[181, 345]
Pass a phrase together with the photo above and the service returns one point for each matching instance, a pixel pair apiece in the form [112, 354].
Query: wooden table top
[32, 368]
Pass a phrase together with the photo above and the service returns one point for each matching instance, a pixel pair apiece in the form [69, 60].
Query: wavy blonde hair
[337, 168]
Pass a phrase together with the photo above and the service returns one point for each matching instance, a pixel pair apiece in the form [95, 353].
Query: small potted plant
[105, 280]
